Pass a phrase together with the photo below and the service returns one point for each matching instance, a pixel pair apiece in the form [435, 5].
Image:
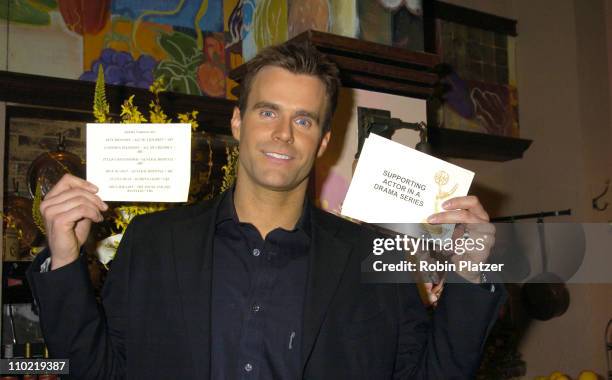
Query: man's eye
[303, 122]
[267, 113]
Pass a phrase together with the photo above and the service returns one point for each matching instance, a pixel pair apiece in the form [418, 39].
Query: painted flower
[211, 79]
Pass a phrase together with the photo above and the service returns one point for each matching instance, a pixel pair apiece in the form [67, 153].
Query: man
[257, 283]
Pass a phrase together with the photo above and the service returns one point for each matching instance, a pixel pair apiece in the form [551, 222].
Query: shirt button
[256, 308]
[248, 367]
[256, 252]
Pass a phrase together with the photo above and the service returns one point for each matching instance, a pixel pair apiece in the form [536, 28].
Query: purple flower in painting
[120, 68]
[122, 58]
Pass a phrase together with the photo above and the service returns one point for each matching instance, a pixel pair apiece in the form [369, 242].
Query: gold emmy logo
[441, 178]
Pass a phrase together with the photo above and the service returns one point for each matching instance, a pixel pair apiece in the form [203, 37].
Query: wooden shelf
[480, 146]
[363, 64]
[375, 67]
[77, 95]
[372, 66]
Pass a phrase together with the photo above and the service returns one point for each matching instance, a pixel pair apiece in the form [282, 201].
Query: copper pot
[18, 213]
[47, 169]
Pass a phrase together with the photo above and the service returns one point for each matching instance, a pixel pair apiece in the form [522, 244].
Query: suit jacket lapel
[328, 258]
[193, 250]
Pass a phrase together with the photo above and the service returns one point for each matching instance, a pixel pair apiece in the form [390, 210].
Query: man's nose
[283, 131]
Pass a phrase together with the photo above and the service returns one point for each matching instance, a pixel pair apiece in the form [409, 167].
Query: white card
[140, 162]
[394, 184]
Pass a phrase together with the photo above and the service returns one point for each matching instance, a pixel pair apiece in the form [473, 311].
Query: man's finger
[468, 202]
[69, 181]
[67, 212]
[70, 194]
[68, 219]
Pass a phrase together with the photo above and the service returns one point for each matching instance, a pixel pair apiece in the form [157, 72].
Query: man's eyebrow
[269, 105]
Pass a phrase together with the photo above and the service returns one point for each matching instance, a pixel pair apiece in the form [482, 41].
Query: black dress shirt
[258, 289]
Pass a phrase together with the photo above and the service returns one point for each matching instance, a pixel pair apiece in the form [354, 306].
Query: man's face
[280, 133]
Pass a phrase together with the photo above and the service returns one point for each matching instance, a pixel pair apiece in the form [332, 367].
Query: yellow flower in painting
[158, 86]
[130, 113]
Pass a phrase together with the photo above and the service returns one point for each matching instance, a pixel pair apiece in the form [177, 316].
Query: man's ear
[236, 123]
[323, 143]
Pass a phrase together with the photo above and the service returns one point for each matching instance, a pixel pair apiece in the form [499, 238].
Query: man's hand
[472, 222]
[68, 210]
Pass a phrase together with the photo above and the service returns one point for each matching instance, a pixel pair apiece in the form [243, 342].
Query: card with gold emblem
[398, 187]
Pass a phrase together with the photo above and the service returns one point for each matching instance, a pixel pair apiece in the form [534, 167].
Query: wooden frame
[458, 143]
[433, 9]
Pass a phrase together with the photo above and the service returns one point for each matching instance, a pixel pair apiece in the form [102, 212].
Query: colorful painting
[344, 20]
[474, 53]
[34, 12]
[212, 72]
[238, 19]
[194, 44]
[264, 23]
[37, 41]
[84, 17]
[482, 94]
[121, 68]
[169, 40]
[124, 35]
[305, 15]
[407, 27]
[234, 32]
[392, 22]
[374, 22]
[180, 67]
[198, 15]
[478, 106]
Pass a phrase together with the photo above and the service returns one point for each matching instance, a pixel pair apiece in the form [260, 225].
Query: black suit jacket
[154, 321]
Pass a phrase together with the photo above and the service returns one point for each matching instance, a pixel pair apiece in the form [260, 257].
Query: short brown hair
[298, 58]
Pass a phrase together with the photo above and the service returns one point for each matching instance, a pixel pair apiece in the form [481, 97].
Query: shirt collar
[227, 211]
